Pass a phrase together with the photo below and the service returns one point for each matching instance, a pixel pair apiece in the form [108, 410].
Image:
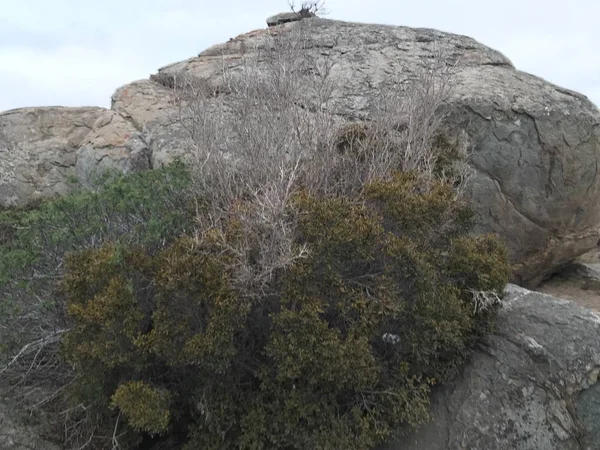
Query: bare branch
[309, 8]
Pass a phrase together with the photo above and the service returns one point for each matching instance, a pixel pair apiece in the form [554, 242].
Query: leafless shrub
[484, 300]
[309, 8]
[273, 132]
[411, 110]
[252, 144]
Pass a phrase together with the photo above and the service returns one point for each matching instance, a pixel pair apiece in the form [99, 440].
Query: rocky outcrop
[113, 143]
[38, 150]
[286, 17]
[531, 385]
[534, 146]
[579, 282]
[535, 150]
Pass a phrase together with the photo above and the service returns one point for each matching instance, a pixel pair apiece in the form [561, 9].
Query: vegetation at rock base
[341, 349]
[294, 284]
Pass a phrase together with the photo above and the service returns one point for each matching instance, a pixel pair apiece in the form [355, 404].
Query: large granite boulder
[531, 385]
[534, 146]
[113, 143]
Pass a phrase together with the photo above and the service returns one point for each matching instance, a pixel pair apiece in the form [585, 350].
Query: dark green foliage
[339, 352]
[146, 408]
[147, 209]
[144, 208]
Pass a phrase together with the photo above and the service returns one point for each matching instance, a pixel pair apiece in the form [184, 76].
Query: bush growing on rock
[339, 351]
[298, 284]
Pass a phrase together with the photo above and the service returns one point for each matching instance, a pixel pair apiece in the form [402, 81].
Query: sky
[78, 52]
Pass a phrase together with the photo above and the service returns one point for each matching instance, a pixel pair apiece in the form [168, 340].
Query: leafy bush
[148, 209]
[339, 351]
[146, 408]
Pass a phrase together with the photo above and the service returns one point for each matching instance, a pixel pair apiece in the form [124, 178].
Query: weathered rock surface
[534, 146]
[531, 385]
[578, 282]
[38, 150]
[113, 143]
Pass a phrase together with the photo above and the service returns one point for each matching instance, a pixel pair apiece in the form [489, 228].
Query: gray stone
[531, 385]
[588, 410]
[113, 143]
[279, 19]
[38, 150]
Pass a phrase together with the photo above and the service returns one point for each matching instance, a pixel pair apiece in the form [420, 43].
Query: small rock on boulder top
[286, 17]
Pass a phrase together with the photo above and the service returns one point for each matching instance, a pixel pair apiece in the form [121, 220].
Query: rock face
[579, 282]
[534, 146]
[532, 385]
[38, 150]
[113, 143]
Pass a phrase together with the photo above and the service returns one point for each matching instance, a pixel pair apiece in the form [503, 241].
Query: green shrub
[146, 408]
[340, 350]
[148, 209]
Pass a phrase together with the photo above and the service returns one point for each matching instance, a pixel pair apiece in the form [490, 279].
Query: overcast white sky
[77, 52]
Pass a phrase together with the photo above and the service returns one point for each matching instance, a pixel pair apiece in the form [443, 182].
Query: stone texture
[535, 148]
[38, 150]
[578, 282]
[531, 385]
[281, 18]
[113, 143]
[151, 108]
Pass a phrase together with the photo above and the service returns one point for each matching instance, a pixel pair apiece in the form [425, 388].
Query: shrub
[339, 351]
[148, 209]
[146, 408]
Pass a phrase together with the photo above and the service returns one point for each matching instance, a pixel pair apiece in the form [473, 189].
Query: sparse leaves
[145, 408]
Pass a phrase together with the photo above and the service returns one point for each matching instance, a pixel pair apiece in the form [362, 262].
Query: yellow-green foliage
[145, 408]
[196, 313]
[339, 352]
[354, 138]
[474, 263]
